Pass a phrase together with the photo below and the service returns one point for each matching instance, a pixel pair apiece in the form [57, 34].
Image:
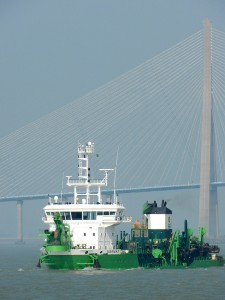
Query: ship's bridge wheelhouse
[84, 215]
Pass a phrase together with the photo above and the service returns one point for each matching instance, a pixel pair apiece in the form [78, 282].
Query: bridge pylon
[208, 194]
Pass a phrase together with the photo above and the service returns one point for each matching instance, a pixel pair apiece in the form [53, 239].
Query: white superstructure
[92, 220]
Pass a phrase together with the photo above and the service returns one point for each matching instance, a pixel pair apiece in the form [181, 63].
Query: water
[20, 279]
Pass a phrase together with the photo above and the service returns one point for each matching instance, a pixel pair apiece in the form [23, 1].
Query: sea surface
[21, 279]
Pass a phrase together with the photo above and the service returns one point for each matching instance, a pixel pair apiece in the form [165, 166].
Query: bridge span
[112, 191]
[109, 192]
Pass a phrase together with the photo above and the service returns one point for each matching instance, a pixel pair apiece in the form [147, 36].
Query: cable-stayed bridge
[151, 115]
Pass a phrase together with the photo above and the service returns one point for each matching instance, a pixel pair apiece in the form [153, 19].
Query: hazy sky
[53, 51]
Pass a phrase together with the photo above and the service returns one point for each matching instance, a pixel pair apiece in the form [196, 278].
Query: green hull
[201, 263]
[119, 261]
[104, 261]
[116, 262]
[205, 263]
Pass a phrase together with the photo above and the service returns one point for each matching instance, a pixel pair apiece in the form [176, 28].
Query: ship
[83, 233]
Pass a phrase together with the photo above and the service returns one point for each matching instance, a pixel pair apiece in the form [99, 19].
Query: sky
[52, 52]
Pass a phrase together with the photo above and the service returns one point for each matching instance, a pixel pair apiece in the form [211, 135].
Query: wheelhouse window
[49, 213]
[65, 215]
[76, 215]
[89, 215]
[106, 213]
[86, 215]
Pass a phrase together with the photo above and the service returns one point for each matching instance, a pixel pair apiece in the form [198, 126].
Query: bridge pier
[19, 222]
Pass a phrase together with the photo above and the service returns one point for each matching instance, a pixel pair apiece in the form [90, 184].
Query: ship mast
[83, 186]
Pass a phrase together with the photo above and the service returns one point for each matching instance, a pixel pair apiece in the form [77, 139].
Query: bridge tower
[208, 194]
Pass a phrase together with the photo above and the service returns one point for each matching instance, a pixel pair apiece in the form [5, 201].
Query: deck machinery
[158, 246]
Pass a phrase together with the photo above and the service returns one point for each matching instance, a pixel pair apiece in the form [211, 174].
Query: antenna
[62, 186]
[105, 179]
[114, 185]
